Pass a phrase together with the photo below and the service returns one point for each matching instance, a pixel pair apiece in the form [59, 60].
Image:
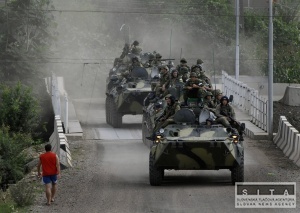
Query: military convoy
[193, 141]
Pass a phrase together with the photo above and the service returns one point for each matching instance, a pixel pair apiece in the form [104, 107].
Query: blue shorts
[49, 179]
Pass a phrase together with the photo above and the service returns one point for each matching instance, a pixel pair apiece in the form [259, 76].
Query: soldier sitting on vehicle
[217, 97]
[167, 116]
[226, 116]
[135, 48]
[183, 69]
[163, 81]
[193, 89]
[208, 85]
[208, 102]
[135, 63]
[157, 61]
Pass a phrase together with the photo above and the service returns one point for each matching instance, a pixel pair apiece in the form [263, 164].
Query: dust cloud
[89, 38]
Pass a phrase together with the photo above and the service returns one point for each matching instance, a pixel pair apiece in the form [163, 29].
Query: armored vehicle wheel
[115, 116]
[237, 173]
[155, 174]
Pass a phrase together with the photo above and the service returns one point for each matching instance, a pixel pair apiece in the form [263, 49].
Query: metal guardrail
[246, 99]
[58, 138]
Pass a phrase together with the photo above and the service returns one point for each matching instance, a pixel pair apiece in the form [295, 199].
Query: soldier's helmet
[171, 97]
[208, 94]
[199, 61]
[218, 92]
[193, 75]
[183, 60]
[158, 55]
[135, 43]
[224, 98]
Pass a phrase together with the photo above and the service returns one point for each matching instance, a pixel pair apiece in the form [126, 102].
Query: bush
[19, 109]
[22, 193]
[12, 156]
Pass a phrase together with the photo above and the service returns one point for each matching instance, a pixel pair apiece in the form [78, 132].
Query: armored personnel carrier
[126, 96]
[194, 142]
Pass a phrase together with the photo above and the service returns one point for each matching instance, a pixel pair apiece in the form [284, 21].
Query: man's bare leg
[48, 193]
[53, 191]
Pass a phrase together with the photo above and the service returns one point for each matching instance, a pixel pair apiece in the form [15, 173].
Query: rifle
[239, 126]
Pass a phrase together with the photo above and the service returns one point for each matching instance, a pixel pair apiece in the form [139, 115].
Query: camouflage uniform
[135, 63]
[218, 96]
[223, 112]
[226, 116]
[197, 92]
[206, 80]
[183, 69]
[157, 61]
[167, 116]
[135, 49]
[208, 103]
[163, 81]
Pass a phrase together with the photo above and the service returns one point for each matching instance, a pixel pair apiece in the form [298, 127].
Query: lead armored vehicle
[194, 142]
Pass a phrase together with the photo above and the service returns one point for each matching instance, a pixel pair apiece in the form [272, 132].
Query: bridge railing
[246, 99]
[58, 139]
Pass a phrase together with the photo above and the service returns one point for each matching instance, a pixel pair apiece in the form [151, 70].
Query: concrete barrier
[286, 127]
[278, 135]
[287, 150]
[295, 155]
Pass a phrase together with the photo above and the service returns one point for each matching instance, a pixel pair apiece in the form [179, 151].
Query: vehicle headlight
[161, 131]
[158, 138]
[235, 138]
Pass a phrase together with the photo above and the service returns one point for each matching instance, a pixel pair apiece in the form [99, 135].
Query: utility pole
[270, 83]
[237, 49]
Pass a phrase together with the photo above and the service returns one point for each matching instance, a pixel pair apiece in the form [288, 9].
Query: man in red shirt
[51, 171]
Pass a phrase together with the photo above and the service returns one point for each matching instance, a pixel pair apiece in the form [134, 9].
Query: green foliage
[19, 109]
[12, 156]
[22, 193]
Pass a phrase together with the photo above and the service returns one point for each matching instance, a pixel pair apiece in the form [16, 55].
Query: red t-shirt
[48, 161]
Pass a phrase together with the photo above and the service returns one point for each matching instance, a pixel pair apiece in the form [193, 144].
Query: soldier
[183, 69]
[208, 85]
[194, 88]
[226, 116]
[208, 102]
[150, 61]
[175, 79]
[167, 116]
[218, 96]
[157, 61]
[198, 67]
[135, 48]
[164, 81]
[135, 63]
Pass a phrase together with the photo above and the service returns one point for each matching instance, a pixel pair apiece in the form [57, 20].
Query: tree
[25, 38]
